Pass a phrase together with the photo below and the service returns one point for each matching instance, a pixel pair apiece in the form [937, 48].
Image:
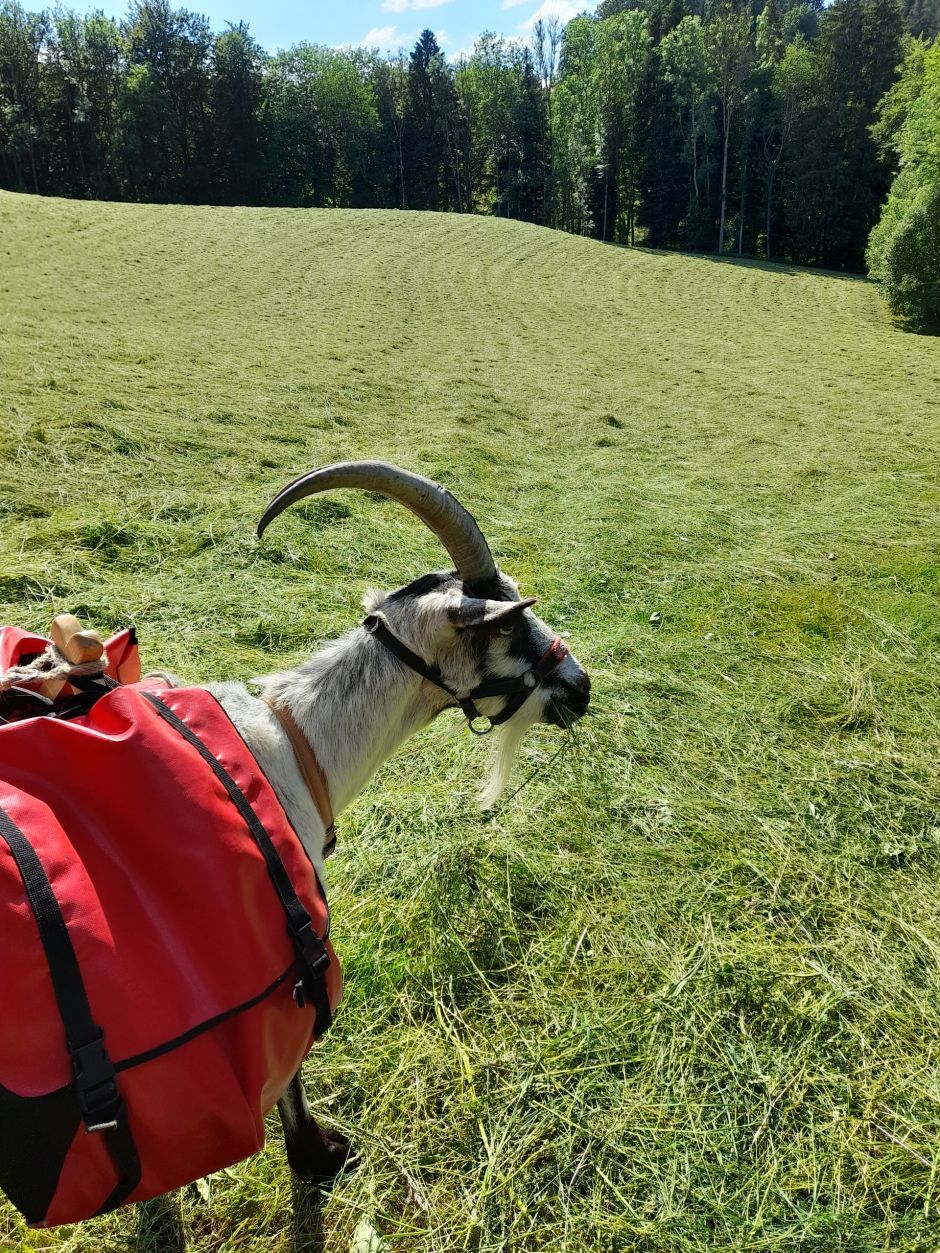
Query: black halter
[518, 687]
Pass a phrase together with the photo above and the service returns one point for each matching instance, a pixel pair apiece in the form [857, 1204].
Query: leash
[310, 771]
[536, 770]
[518, 687]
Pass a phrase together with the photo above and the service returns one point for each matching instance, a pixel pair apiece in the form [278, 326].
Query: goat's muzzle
[569, 700]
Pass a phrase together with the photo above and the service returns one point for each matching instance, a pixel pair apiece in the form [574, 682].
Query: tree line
[904, 249]
[755, 127]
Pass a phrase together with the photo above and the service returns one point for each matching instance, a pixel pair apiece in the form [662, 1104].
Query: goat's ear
[372, 599]
[471, 611]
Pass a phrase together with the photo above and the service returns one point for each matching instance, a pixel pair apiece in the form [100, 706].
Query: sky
[384, 24]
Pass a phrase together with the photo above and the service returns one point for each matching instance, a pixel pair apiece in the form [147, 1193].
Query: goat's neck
[356, 704]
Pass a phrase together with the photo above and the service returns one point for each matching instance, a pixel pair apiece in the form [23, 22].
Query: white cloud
[379, 37]
[442, 38]
[512, 4]
[388, 38]
[403, 6]
[463, 54]
[564, 10]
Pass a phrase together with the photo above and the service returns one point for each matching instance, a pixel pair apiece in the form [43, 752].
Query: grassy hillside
[683, 991]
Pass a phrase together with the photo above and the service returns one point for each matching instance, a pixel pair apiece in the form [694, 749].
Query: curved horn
[434, 505]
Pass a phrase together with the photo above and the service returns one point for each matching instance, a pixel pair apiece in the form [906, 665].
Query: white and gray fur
[356, 703]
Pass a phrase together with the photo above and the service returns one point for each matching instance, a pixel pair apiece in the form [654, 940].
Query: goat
[460, 637]
[473, 642]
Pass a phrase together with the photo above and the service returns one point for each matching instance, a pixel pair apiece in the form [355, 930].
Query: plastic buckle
[310, 948]
[314, 959]
[303, 989]
[96, 1085]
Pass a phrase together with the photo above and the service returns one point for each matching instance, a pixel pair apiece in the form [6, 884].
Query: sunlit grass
[683, 991]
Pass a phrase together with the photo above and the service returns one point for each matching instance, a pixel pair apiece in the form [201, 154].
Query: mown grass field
[683, 991]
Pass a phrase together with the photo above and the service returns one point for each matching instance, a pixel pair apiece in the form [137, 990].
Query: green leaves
[904, 249]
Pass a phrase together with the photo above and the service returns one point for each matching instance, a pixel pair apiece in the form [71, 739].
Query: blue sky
[386, 24]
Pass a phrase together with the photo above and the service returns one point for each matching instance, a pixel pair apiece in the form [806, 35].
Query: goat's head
[466, 631]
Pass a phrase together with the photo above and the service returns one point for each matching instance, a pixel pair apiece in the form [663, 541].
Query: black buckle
[96, 1085]
[310, 948]
[314, 959]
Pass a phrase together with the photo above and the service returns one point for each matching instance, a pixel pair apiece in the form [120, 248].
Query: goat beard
[505, 750]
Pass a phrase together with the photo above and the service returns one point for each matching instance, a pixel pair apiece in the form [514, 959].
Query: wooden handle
[76, 644]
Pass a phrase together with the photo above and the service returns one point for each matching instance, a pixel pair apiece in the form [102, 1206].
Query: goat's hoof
[327, 1157]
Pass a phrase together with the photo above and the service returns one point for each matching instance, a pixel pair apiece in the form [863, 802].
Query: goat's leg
[312, 1153]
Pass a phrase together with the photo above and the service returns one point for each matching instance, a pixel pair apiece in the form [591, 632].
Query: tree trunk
[550, 162]
[770, 194]
[454, 168]
[741, 214]
[32, 161]
[726, 118]
[694, 158]
[606, 186]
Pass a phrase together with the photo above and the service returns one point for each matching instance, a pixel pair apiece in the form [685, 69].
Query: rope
[539, 769]
[50, 665]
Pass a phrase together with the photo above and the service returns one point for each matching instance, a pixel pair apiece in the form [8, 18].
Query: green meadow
[682, 991]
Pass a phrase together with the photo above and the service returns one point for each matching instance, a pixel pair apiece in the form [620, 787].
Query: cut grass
[683, 991]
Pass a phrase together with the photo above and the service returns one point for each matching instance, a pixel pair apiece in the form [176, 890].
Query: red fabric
[173, 918]
[121, 652]
[17, 645]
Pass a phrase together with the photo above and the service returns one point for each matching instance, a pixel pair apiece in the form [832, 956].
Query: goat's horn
[434, 505]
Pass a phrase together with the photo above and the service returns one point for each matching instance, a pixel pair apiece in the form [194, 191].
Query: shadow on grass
[929, 329]
[789, 269]
[307, 1203]
[160, 1225]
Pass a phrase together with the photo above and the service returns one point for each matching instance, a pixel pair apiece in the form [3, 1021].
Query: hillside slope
[683, 992]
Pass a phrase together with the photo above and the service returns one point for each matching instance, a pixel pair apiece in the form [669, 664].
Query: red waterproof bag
[165, 962]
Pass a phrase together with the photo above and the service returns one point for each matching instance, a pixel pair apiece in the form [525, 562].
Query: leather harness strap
[517, 688]
[311, 772]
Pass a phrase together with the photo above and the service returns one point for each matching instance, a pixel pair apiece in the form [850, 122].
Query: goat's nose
[579, 693]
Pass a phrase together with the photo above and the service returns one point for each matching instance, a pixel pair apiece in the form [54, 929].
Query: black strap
[375, 626]
[20, 702]
[208, 1024]
[311, 950]
[519, 687]
[95, 1082]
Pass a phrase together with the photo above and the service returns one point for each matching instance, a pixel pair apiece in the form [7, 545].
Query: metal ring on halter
[480, 717]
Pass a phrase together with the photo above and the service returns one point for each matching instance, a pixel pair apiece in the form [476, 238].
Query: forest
[760, 128]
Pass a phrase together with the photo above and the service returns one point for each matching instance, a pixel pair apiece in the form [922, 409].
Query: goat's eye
[506, 630]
